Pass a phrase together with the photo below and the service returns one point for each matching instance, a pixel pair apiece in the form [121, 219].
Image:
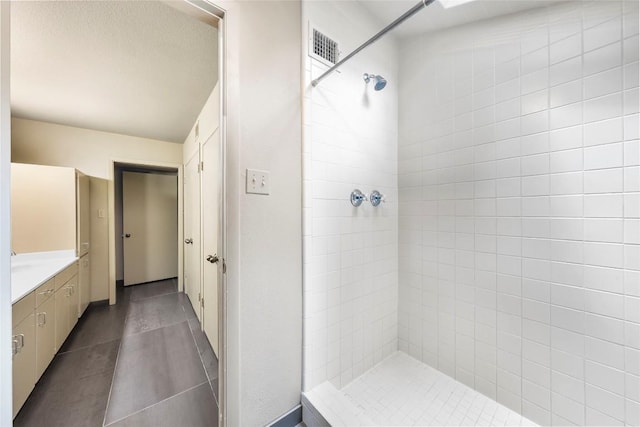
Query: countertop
[28, 271]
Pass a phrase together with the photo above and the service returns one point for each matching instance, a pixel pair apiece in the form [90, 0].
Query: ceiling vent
[322, 47]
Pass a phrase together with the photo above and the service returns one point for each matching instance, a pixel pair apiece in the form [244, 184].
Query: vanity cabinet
[24, 352]
[42, 320]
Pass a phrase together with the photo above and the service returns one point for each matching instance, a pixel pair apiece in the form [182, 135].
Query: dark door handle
[212, 259]
[188, 241]
[127, 235]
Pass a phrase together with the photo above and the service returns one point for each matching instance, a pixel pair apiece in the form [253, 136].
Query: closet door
[192, 252]
[211, 202]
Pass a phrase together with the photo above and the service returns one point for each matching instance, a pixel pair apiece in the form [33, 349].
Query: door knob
[188, 241]
[127, 235]
[212, 258]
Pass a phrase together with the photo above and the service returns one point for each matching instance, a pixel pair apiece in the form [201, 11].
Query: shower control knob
[357, 197]
[376, 198]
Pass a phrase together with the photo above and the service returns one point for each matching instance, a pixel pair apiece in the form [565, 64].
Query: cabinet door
[62, 316]
[84, 278]
[45, 335]
[73, 301]
[24, 361]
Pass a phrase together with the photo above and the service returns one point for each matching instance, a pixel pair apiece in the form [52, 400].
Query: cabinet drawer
[45, 291]
[23, 308]
[66, 274]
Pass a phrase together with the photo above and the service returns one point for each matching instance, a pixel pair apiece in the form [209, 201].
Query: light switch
[258, 182]
[100, 213]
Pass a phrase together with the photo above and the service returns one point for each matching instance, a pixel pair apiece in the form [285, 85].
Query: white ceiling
[435, 17]
[137, 68]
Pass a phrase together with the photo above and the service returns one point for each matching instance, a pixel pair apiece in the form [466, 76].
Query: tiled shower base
[402, 391]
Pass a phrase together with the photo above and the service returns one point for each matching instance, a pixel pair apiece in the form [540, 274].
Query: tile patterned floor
[141, 362]
[402, 391]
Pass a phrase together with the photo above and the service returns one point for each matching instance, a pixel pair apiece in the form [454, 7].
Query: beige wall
[87, 150]
[43, 208]
[99, 240]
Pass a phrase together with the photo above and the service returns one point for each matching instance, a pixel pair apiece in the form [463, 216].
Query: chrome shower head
[380, 82]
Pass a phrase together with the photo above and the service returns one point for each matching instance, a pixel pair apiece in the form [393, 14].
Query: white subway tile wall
[350, 254]
[519, 207]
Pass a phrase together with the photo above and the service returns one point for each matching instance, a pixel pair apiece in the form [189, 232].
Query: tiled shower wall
[350, 254]
[519, 213]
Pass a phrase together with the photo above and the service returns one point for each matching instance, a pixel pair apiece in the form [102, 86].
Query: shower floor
[402, 391]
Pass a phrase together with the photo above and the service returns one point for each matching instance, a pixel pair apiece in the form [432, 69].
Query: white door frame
[6, 388]
[209, 12]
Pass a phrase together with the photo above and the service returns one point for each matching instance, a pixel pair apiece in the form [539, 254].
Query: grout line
[152, 405]
[60, 353]
[113, 376]
[202, 362]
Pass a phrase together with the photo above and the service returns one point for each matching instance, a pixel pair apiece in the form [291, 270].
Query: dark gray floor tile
[153, 366]
[153, 313]
[193, 408]
[153, 289]
[82, 404]
[67, 369]
[74, 390]
[100, 323]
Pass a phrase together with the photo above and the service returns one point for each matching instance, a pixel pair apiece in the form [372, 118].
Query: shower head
[380, 82]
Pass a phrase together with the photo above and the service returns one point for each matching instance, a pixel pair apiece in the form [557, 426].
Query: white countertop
[28, 271]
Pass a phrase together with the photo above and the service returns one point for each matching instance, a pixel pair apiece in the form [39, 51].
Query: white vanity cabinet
[23, 350]
[42, 320]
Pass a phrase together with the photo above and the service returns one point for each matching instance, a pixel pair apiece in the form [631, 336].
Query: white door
[192, 253]
[211, 203]
[150, 226]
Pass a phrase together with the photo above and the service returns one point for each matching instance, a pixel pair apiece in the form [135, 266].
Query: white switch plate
[258, 182]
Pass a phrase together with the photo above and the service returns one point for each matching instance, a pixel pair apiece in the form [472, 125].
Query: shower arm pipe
[408, 14]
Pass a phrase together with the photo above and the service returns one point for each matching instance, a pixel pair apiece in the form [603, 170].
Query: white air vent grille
[324, 48]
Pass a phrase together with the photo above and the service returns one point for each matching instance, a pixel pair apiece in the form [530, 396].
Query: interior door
[192, 253]
[150, 226]
[211, 203]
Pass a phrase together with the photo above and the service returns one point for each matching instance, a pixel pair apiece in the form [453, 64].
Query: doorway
[146, 230]
[205, 12]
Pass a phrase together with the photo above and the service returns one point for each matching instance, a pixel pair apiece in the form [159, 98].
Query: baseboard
[290, 419]
[99, 302]
[120, 282]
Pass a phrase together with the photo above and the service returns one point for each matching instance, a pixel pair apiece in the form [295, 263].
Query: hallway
[141, 362]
